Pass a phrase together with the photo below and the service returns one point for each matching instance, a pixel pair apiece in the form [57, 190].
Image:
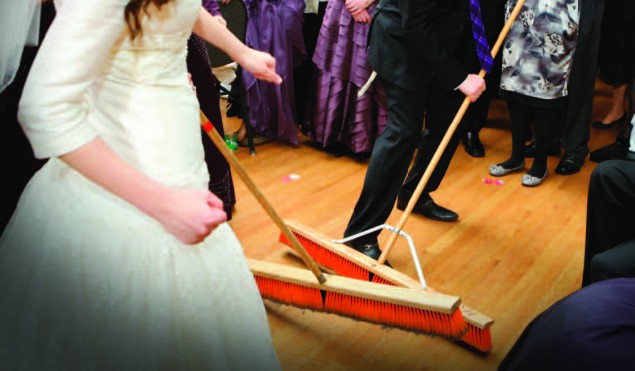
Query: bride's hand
[190, 214]
[261, 65]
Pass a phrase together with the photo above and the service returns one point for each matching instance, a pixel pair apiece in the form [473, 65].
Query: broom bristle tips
[478, 337]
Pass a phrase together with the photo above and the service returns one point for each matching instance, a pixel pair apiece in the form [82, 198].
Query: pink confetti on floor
[498, 182]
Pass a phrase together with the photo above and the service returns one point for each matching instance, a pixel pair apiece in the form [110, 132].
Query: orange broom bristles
[480, 339]
[334, 262]
[287, 292]
[478, 335]
[411, 310]
[343, 266]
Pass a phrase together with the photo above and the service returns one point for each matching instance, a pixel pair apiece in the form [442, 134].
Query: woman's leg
[546, 120]
[521, 117]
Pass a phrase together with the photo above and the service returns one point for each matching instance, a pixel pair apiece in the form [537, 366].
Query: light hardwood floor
[513, 252]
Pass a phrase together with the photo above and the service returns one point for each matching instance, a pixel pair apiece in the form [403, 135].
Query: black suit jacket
[413, 42]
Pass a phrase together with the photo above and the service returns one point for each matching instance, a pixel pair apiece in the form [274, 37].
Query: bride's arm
[261, 65]
[53, 113]
[190, 215]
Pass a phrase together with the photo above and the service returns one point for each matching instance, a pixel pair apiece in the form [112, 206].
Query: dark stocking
[521, 116]
[545, 120]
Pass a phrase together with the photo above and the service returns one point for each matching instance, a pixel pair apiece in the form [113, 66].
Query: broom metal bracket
[401, 233]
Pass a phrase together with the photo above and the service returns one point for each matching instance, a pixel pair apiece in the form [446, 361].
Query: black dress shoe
[472, 144]
[430, 210]
[369, 249]
[601, 125]
[530, 150]
[569, 164]
[234, 110]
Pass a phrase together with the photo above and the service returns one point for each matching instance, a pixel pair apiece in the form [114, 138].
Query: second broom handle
[242, 173]
[446, 140]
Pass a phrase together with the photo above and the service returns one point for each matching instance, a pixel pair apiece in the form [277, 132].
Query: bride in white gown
[117, 257]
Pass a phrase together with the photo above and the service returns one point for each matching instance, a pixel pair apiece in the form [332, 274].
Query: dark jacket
[412, 42]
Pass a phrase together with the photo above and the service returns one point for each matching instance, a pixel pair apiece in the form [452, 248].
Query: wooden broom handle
[242, 173]
[446, 140]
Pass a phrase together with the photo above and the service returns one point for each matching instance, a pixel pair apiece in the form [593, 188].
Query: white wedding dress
[87, 281]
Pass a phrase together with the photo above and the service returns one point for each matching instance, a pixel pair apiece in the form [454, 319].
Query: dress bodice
[134, 94]
[157, 56]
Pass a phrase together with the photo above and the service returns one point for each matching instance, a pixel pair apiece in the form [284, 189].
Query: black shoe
[601, 125]
[530, 150]
[369, 249]
[473, 145]
[569, 164]
[234, 110]
[430, 210]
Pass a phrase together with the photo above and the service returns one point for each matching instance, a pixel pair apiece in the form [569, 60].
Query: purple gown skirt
[336, 114]
[275, 26]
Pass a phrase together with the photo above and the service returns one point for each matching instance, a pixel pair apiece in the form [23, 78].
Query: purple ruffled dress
[336, 114]
[275, 26]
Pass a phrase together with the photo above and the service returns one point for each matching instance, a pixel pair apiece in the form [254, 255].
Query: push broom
[412, 310]
[351, 263]
[344, 261]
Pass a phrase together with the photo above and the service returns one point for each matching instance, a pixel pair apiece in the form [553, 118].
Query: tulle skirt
[89, 282]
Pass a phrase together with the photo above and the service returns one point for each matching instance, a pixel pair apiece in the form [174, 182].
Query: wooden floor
[513, 252]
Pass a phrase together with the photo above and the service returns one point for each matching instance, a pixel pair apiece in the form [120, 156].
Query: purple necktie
[480, 39]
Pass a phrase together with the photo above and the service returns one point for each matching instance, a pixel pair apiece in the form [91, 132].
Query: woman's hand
[357, 6]
[261, 65]
[191, 82]
[362, 17]
[225, 1]
[189, 214]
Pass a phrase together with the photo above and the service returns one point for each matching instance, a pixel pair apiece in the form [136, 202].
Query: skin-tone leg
[617, 104]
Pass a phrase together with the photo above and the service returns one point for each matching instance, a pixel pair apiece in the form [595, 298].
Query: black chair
[235, 13]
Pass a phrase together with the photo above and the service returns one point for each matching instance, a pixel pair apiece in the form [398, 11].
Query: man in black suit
[411, 49]
[441, 107]
[575, 140]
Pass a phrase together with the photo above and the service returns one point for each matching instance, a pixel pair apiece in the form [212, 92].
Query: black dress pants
[610, 232]
[442, 107]
[389, 160]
